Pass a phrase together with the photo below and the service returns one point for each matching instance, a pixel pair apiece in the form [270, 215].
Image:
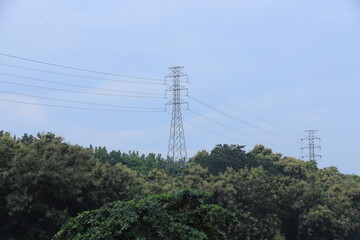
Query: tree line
[50, 189]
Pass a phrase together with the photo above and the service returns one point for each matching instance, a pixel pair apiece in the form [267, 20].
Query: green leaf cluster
[183, 215]
[44, 181]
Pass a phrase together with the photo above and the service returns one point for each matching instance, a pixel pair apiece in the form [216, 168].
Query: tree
[196, 177]
[250, 193]
[179, 216]
[46, 181]
[221, 157]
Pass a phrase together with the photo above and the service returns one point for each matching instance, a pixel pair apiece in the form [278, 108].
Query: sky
[259, 72]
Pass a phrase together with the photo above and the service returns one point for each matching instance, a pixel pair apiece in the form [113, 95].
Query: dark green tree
[180, 216]
[45, 182]
[221, 157]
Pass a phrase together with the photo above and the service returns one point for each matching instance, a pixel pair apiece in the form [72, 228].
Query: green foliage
[165, 217]
[196, 177]
[221, 157]
[158, 182]
[140, 163]
[250, 193]
[45, 181]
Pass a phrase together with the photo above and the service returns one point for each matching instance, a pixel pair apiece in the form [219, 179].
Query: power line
[242, 132]
[216, 133]
[246, 112]
[75, 85]
[79, 69]
[78, 108]
[75, 91]
[284, 146]
[78, 76]
[242, 121]
[78, 102]
[221, 135]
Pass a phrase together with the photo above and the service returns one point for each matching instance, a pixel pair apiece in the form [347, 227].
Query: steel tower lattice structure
[311, 138]
[177, 146]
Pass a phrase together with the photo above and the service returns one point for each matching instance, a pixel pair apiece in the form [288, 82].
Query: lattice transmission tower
[177, 146]
[311, 138]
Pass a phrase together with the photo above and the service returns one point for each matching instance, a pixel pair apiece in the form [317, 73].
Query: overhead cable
[217, 133]
[82, 92]
[221, 135]
[79, 102]
[79, 76]
[281, 145]
[244, 122]
[79, 69]
[79, 108]
[76, 85]
[246, 112]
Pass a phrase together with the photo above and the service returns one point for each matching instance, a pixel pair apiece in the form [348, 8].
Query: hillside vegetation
[45, 183]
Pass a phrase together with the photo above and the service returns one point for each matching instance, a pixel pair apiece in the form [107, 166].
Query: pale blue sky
[294, 63]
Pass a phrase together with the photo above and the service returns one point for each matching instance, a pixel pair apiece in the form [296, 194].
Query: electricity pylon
[177, 146]
[311, 138]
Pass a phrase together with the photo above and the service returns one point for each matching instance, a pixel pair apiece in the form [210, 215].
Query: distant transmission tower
[311, 138]
[177, 147]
